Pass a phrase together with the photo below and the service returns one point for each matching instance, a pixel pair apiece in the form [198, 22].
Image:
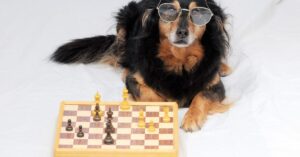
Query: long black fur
[85, 50]
[141, 48]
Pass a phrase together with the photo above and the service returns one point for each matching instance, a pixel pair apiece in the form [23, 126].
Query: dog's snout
[182, 32]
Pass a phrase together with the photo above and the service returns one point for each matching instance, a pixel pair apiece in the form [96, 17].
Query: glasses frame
[180, 12]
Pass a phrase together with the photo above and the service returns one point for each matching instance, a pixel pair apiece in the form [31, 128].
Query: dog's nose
[182, 32]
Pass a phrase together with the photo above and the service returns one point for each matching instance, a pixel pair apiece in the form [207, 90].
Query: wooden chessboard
[130, 140]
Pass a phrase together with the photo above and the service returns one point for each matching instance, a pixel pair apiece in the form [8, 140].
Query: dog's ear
[219, 16]
[145, 18]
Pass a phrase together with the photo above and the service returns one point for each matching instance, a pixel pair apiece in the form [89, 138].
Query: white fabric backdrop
[265, 84]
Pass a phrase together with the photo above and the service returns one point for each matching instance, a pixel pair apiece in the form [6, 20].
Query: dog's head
[184, 22]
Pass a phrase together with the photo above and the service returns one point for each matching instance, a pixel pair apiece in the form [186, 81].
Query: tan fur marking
[175, 59]
[146, 16]
[219, 108]
[199, 109]
[125, 74]
[225, 70]
[146, 93]
[139, 78]
[193, 5]
[121, 33]
[215, 81]
[110, 60]
[197, 114]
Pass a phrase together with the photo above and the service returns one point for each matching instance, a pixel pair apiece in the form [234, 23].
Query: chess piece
[80, 132]
[108, 130]
[69, 126]
[108, 140]
[97, 98]
[109, 127]
[141, 122]
[97, 117]
[109, 114]
[166, 117]
[125, 104]
[151, 127]
[97, 107]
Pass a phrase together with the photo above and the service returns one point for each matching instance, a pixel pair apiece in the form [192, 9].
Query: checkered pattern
[128, 135]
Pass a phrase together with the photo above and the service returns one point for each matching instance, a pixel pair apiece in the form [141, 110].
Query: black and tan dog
[170, 50]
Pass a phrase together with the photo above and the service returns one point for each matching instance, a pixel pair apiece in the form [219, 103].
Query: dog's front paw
[192, 121]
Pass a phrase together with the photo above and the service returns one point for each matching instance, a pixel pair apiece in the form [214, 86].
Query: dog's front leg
[139, 91]
[197, 113]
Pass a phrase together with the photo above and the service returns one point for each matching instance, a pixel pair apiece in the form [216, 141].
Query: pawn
[97, 117]
[69, 126]
[141, 122]
[108, 140]
[151, 127]
[166, 117]
[124, 103]
[80, 132]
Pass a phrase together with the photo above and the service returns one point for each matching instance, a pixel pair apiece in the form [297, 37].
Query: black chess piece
[108, 140]
[109, 114]
[69, 126]
[109, 127]
[97, 117]
[80, 132]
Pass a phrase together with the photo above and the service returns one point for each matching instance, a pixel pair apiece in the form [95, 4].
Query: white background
[265, 85]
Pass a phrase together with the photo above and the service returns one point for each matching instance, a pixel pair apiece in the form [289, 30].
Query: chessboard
[130, 140]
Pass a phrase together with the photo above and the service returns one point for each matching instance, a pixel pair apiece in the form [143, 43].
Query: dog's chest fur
[178, 59]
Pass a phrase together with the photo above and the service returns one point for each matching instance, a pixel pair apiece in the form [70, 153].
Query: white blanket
[265, 85]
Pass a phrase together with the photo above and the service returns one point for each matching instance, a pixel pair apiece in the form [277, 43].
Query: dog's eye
[201, 16]
[168, 12]
[195, 12]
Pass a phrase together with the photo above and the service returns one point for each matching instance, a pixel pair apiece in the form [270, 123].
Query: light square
[96, 130]
[138, 136]
[151, 142]
[166, 125]
[123, 142]
[125, 119]
[94, 142]
[66, 141]
[166, 136]
[153, 108]
[84, 113]
[124, 131]
[71, 107]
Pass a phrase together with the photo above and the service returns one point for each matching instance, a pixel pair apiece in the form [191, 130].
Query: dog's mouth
[181, 42]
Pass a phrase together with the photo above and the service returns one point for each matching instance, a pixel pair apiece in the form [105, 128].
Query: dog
[170, 50]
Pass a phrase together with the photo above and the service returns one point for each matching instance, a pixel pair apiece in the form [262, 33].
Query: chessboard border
[65, 152]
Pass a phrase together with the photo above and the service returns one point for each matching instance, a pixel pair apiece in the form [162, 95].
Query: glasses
[199, 15]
